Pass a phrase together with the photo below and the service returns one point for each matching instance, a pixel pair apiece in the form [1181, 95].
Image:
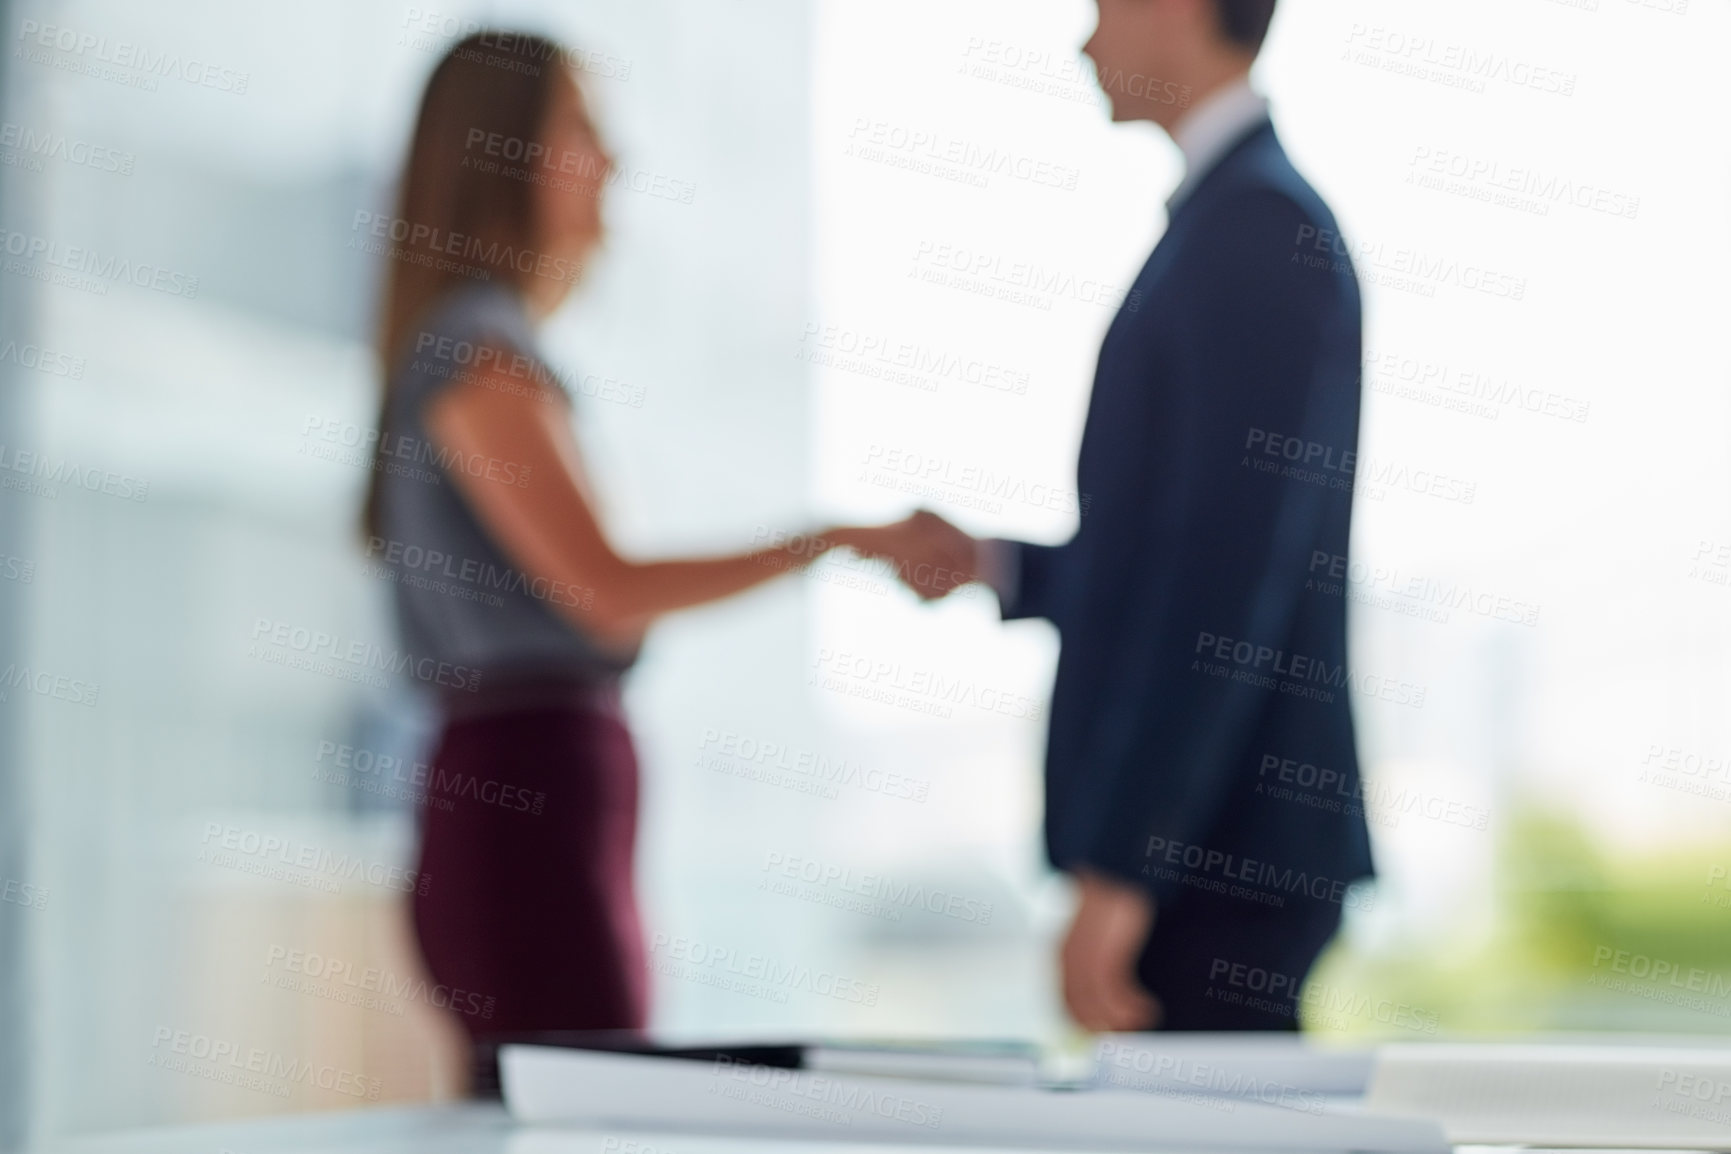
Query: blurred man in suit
[1202, 785]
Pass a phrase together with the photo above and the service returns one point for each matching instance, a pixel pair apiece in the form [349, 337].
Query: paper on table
[631, 1092]
[1277, 1069]
[1647, 1097]
[1000, 1063]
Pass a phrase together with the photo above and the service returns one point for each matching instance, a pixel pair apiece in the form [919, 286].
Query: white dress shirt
[1208, 132]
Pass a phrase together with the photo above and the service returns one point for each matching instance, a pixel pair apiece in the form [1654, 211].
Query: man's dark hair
[1245, 22]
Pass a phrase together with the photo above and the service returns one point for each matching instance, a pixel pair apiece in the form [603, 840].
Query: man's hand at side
[1098, 958]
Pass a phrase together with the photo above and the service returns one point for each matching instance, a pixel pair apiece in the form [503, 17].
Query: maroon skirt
[527, 919]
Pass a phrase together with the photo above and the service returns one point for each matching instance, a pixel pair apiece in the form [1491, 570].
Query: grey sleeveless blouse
[459, 599]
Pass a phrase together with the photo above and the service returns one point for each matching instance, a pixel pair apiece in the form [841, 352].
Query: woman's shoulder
[481, 327]
[479, 311]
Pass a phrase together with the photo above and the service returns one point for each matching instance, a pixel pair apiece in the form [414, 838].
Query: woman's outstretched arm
[546, 524]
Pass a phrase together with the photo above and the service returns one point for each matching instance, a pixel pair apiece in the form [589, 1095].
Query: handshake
[931, 556]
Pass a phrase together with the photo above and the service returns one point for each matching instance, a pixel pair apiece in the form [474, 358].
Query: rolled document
[1561, 1095]
[725, 1098]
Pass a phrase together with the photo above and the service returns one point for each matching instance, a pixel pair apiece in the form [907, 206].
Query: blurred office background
[861, 258]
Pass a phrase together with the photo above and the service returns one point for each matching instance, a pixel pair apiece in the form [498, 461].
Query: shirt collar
[1209, 131]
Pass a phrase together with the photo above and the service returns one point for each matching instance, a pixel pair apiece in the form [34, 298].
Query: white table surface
[465, 1129]
[475, 1129]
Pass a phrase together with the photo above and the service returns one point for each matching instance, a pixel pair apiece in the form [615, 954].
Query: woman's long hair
[460, 216]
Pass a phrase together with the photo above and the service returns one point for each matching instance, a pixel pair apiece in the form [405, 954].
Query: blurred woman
[503, 574]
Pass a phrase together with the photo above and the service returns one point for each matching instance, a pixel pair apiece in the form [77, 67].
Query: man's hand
[931, 556]
[1098, 958]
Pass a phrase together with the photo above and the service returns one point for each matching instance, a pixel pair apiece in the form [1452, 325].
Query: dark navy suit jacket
[1202, 690]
